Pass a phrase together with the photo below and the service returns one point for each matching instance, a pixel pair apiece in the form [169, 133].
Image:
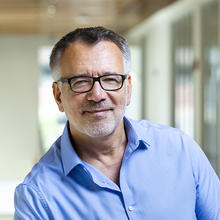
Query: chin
[99, 128]
[99, 131]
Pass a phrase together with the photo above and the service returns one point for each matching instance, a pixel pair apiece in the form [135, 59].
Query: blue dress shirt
[164, 176]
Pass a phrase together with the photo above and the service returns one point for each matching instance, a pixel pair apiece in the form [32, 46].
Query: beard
[98, 125]
[103, 126]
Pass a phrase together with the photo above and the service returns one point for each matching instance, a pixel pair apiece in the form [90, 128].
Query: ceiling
[55, 17]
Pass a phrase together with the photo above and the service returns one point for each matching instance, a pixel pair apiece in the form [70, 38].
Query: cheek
[120, 100]
[72, 105]
[72, 111]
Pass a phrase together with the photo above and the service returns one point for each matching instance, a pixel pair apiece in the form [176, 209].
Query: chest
[148, 190]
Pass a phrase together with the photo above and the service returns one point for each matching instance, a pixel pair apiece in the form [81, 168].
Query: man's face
[96, 113]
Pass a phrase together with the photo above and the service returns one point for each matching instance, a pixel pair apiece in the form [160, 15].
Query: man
[106, 166]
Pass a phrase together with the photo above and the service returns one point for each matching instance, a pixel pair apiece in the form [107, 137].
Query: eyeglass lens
[108, 82]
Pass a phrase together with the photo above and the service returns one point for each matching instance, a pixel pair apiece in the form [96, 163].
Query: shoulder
[30, 198]
[147, 128]
[163, 138]
[146, 125]
[50, 164]
[168, 141]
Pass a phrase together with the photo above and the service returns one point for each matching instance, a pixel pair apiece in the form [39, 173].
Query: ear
[57, 96]
[129, 89]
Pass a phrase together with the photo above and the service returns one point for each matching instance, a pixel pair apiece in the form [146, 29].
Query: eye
[111, 79]
[80, 82]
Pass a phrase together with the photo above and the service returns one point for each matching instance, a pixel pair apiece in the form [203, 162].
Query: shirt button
[130, 208]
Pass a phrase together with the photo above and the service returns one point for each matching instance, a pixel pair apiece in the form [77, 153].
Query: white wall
[19, 139]
[158, 79]
[134, 110]
[18, 85]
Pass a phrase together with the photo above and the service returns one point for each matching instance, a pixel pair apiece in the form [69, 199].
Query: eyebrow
[106, 73]
[86, 74]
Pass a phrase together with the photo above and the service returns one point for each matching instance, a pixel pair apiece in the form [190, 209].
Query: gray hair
[90, 36]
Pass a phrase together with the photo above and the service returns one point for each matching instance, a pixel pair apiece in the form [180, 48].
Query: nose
[97, 94]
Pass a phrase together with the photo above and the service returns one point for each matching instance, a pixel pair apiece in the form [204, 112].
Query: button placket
[127, 195]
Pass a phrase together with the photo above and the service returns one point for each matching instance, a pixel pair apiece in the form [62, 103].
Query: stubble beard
[105, 127]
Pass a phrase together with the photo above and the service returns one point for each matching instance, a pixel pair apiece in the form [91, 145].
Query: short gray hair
[90, 36]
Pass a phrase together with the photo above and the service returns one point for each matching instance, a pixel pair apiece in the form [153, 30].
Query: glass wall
[211, 73]
[184, 63]
[182, 59]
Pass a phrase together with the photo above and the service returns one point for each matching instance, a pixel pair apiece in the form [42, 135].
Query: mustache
[93, 106]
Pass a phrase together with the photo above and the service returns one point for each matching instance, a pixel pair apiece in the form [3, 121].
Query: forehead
[79, 57]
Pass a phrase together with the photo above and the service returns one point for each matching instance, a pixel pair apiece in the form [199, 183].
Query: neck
[95, 147]
[104, 153]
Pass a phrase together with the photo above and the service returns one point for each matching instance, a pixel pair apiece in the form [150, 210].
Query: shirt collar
[134, 133]
[70, 159]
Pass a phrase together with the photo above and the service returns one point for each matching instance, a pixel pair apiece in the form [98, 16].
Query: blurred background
[175, 48]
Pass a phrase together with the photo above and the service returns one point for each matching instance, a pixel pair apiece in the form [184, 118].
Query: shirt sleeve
[29, 204]
[206, 181]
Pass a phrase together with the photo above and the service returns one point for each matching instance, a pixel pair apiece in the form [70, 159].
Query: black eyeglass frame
[68, 80]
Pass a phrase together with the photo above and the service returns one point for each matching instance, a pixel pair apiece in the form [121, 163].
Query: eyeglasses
[108, 82]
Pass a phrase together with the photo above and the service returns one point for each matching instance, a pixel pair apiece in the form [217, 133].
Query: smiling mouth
[97, 111]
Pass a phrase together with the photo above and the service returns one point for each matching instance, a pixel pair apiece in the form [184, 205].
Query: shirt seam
[189, 157]
[41, 197]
